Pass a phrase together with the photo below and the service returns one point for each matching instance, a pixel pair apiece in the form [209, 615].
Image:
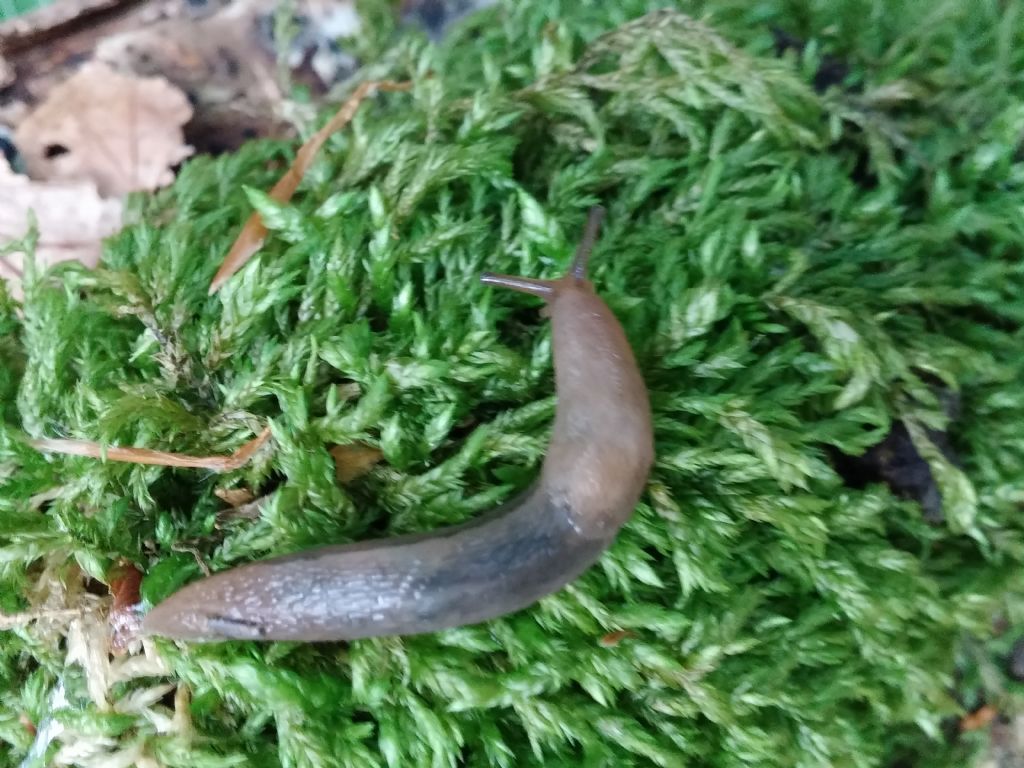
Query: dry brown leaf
[352, 461]
[124, 620]
[26, 722]
[120, 131]
[71, 217]
[158, 458]
[614, 638]
[221, 60]
[980, 718]
[253, 233]
[234, 497]
[249, 511]
[123, 581]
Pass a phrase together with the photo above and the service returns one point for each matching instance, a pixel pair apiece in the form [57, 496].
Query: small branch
[156, 458]
[52, 21]
[253, 233]
[195, 553]
[15, 620]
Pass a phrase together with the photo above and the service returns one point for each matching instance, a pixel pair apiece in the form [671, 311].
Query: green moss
[794, 270]
[11, 8]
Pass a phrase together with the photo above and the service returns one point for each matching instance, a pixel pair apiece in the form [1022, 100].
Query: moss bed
[806, 247]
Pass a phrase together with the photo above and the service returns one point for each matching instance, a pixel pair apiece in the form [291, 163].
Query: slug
[595, 469]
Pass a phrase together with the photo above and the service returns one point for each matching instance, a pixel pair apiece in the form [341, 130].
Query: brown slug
[596, 467]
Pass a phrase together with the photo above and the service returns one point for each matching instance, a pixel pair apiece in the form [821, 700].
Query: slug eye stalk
[546, 289]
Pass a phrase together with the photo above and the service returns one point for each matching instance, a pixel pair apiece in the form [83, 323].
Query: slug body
[596, 467]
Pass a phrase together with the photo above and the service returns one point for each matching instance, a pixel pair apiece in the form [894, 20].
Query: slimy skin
[596, 467]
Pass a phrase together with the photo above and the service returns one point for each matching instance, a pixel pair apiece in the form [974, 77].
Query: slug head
[574, 279]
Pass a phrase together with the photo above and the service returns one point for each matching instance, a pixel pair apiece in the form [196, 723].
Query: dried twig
[51, 21]
[196, 554]
[253, 233]
[158, 458]
[14, 620]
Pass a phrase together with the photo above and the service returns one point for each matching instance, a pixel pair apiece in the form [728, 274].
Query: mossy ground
[11, 8]
[796, 270]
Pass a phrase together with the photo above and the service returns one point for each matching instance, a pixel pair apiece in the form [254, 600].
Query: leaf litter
[70, 218]
[122, 132]
[254, 231]
[96, 137]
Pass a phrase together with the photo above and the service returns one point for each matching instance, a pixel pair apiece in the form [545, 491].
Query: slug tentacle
[596, 467]
[545, 289]
[587, 242]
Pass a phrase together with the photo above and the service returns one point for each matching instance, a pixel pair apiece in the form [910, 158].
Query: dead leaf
[71, 217]
[253, 233]
[352, 461]
[120, 131]
[158, 458]
[614, 638]
[124, 620]
[26, 722]
[980, 718]
[219, 61]
[249, 511]
[234, 497]
[123, 581]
